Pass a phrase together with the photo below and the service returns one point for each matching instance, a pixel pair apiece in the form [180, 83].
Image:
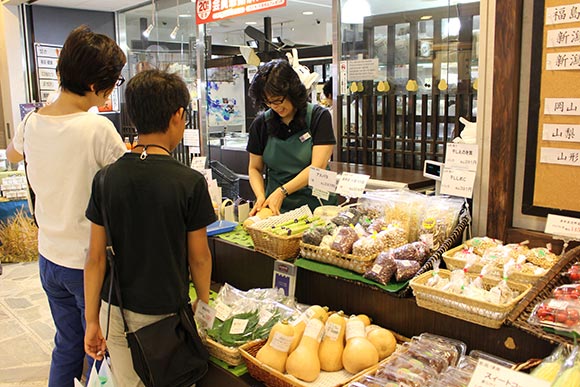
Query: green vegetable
[220, 332]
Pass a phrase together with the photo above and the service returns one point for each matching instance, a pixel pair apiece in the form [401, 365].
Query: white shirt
[63, 154]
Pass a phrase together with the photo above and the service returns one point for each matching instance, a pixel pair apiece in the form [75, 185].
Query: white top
[63, 154]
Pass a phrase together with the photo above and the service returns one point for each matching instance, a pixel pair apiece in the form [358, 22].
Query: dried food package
[383, 269]
[314, 236]
[438, 220]
[344, 239]
[392, 236]
[416, 251]
[346, 218]
[367, 246]
[480, 244]
[377, 225]
[542, 257]
[406, 270]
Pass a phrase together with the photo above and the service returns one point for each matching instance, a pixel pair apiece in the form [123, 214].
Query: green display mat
[238, 370]
[239, 236]
[331, 270]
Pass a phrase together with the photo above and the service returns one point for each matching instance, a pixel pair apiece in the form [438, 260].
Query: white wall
[12, 69]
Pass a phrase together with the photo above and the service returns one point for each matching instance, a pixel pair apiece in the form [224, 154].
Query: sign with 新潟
[207, 11]
[563, 226]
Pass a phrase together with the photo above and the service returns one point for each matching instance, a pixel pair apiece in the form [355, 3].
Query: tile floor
[26, 327]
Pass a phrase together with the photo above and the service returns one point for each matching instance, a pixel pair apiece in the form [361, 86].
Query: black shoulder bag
[168, 353]
[31, 194]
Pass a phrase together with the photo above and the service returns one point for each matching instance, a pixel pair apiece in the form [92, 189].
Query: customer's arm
[95, 267]
[12, 154]
[199, 262]
[255, 174]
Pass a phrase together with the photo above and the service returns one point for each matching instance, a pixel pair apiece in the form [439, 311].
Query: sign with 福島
[207, 11]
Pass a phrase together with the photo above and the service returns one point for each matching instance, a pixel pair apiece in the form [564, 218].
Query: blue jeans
[65, 290]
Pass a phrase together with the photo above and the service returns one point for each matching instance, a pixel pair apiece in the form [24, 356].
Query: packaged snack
[429, 355]
[326, 242]
[417, 366]
[502, 293]
[542, 257]
[567, 292]
[480, 244]
[344, 239]
[456, 349]
[406, 269]
[401, 375]
[377, 225]
[383, 269]
[314, 235]
[367, 246]
[392, 236]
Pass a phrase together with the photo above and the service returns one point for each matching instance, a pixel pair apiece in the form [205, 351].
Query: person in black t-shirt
[158, 210]
[286, 139]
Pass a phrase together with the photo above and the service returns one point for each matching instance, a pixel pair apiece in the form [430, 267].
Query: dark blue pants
[65, 291]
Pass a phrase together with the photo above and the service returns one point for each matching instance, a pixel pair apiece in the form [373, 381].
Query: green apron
[284, 159]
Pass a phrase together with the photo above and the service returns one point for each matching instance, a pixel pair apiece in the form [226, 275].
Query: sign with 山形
[207, 11]
[562, 156]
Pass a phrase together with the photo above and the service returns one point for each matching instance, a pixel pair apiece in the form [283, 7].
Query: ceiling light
[251, 23]
[185, 15]
[307, 13]
[354, 11]
[173, 33]
[147, 32]
[426, 17]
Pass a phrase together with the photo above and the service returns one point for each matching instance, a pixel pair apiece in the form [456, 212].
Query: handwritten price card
[322, 182]
[457, 182]
[488, 374]
[352, 185]
[462, 156]
[563, 226]
[204, 314]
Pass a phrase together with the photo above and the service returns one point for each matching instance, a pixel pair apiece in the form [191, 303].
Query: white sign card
[566, 37]
[563, 14]
[322, 179]
[563, 61]
[561, 132]
[563, 226]
[562, 106]
[352, 185]
[561, 156]
[191, 137]
[198, 163]
[457, 182]
[488, 374]
[343, 74]
[47, 63]
[48, 51]
[204, 314]
[47, 73]
[363, 69]
[462, 156]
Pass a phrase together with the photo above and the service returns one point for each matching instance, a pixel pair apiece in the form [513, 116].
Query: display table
[245, 268]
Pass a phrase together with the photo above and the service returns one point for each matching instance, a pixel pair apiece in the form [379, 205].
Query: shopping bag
[77, 383]
[105, 375]
[94, 377]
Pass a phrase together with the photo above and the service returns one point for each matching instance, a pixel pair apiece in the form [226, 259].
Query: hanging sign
[352, 185]
[207, 11]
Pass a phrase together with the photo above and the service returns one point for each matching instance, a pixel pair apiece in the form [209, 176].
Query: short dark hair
[152, 97]
[327, 88]
[89, 59]
[278, 79]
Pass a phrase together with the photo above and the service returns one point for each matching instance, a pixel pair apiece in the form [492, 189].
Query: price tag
[323, 195]
[265, 316]
[488, 374]
[563, 226]
[198, 163]
[462, 156]
[457, 182]
[222, 311]
[204, 314]
[238, 326]
[558, 304]
[322, 179]
[352, 185]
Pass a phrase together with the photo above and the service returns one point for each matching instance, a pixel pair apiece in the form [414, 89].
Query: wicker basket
[542, 290]
[462, 307]
[453, 263]
[229, 355]
[274, 378]
[346, 261]
[276, 246]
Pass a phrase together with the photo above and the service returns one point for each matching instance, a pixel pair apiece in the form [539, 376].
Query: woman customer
[286, 139]
[65, 146]
[157, 210]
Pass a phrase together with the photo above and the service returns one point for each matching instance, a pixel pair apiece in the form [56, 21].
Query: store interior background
[55, 18]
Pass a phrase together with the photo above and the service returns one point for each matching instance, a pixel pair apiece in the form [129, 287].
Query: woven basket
[542, 290]
[333, 257]
[274, 378]
[229, 355]
[276, 246]
[453, 263]
[462, 307]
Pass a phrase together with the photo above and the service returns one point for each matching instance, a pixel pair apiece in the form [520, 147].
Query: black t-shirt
[151, 205]
[261, 128]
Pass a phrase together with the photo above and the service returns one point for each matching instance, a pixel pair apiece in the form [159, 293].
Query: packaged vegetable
[567, 292]
[346, 218]
[559, 314]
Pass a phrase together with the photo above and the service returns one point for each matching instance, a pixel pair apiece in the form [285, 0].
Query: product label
[332, 331]
[355, 328]
[281, 342]
[204, 314]
[222, 311]
[427, 239]
[558, 304]
[377, 268]
[314, 329]
[265, 316]
[238, 326]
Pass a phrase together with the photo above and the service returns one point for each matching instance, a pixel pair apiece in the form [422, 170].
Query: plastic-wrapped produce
[348, 217]
[344, 239]
[367, 246]
[542, 257]
[377, 225]
[416, 251]
[392, 237]
[326, 242]
[314, 236]
[439, 219]
[406, 269]
[383, 268]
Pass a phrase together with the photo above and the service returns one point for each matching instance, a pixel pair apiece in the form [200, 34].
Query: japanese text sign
[563, 226]
[213, 10]
[488, 374]
[352, 185]
[322, 179]
[462, 156]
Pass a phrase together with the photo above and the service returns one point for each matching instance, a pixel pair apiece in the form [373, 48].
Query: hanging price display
[322, 182]
[352, 185]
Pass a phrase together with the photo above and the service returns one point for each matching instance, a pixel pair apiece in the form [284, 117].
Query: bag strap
[114, 281]
[30, 190]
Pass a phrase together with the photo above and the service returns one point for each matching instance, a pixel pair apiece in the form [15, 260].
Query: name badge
[305, 137]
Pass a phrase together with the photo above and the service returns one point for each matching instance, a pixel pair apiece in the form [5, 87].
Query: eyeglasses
[277, 102]
[187, 112]
[120, 80]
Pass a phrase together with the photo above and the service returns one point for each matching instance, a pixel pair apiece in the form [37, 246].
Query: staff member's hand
[274, 201]
[257, 206]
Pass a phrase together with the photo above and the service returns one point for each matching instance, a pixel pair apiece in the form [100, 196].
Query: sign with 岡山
[207, 11]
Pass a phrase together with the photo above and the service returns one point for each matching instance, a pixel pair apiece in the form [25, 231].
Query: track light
[147, 32]
[173, 33]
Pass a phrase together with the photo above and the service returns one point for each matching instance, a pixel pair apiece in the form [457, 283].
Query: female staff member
[287, 139]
